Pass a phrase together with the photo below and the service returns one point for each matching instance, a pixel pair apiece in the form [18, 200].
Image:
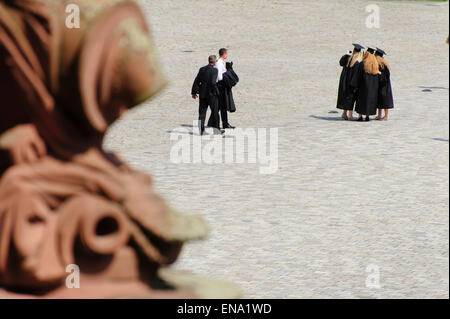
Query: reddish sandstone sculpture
[63, 199]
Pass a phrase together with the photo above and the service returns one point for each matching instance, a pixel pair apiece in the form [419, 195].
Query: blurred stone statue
[63, 199]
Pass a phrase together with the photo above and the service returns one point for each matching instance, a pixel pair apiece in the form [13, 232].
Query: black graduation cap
[371, 50]
[380, 52]
[358, 47]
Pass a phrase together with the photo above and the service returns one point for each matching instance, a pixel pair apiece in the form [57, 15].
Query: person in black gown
[367, 81]
[346, 93]
[385, 97]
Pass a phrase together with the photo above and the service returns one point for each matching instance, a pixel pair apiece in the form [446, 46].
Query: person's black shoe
[229, 126]
[367, 119]
[360, 119]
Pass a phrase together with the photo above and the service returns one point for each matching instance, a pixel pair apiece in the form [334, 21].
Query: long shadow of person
[180, 132]
[439, 139]
[326, 118]
[433, 87]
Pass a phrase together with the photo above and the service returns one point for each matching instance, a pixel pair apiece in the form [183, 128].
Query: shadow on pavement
[433, 87]
[326, 118]
[180, 132]
[439, 139]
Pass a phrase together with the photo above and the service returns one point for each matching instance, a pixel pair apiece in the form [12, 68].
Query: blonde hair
[371, 65]
[357, 56]
[383, 63]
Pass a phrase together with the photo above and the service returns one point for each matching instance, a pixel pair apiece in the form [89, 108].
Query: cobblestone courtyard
[347, 194]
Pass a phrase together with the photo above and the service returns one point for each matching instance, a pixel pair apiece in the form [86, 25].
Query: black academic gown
[226, 99]
[385, 97]
[346, 93]
[230, 79]
[368, 86]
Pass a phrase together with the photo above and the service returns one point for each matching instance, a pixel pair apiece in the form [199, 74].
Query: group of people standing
[365, 82]
[364, 86]
[213, 86]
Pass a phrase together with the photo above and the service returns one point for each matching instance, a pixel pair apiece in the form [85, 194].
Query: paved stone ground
[347, 194]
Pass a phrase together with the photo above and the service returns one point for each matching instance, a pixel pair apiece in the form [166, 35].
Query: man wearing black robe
[205, 86]
[221, 67]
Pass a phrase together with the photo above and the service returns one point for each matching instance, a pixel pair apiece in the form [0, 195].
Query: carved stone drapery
[63, 199]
